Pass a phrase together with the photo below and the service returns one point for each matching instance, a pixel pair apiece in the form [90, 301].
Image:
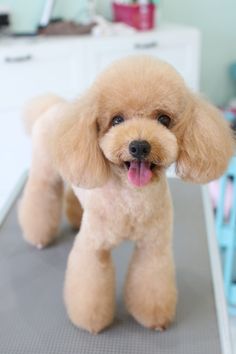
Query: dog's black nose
[139, 149]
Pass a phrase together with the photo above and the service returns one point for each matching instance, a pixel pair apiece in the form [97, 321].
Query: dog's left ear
[75, 148]
[205, 143]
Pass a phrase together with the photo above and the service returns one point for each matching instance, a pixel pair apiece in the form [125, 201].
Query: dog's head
[137, 119]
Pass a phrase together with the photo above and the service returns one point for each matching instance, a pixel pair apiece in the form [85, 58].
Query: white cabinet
[68, 65]
[14, 155]
[31, 70]
[179, 48]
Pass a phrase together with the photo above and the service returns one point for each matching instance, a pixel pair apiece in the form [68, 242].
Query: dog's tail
[36, 107]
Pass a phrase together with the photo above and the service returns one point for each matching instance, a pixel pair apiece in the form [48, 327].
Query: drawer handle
[149, 45]
[19, 59]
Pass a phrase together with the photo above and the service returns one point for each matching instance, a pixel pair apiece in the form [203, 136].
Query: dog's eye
[117, 120]
[164, 120]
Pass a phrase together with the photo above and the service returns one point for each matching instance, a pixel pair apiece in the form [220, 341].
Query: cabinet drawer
[27, 74]
[181, 52]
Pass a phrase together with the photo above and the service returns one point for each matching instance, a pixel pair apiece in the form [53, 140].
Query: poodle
[111, 148]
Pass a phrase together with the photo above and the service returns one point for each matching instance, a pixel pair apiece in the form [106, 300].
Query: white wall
[217, 22]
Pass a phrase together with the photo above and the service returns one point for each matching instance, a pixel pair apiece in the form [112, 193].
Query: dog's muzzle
[139, 170]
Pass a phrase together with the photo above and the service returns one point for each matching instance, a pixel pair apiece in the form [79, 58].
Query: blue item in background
[226, 234]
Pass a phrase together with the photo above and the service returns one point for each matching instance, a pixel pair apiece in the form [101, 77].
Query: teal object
[26, 14]
[226, 235]
[229, 116]
[232, 71]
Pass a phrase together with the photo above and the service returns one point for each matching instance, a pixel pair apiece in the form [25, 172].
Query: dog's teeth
[39, 246]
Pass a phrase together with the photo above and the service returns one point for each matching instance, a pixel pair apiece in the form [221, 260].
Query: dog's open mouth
[140, 172]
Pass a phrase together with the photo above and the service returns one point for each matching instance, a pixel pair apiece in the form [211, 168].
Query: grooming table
[33, 319]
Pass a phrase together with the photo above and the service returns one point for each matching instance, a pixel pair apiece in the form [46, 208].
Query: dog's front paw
[152, 306]
[93, 319]
[152, 314]
[89, 310]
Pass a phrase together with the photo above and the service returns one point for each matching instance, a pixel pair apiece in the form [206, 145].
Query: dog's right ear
[75, 149]
[206, 143]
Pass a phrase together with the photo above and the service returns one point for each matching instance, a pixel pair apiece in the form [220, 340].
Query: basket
[141, 17]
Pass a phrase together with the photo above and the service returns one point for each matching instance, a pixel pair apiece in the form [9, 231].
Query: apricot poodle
[111, 148]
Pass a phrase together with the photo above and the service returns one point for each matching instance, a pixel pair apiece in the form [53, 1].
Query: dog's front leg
[90, 285]
[150, 291]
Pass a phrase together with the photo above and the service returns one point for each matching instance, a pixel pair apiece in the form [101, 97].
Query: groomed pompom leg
[41, 205]
[74, 210]
[90, 285]
[150, 292]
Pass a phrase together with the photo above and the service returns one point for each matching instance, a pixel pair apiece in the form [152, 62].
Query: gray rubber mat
[32, 314]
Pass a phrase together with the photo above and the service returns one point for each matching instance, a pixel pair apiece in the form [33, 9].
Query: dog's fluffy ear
[205, 144]
[75, 148]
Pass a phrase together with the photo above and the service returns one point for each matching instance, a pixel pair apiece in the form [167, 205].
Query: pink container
[141, 17]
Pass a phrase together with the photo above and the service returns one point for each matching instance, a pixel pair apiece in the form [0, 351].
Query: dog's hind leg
[74, 210]
[41, 205]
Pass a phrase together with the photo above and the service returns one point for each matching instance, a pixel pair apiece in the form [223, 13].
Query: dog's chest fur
[119, 212]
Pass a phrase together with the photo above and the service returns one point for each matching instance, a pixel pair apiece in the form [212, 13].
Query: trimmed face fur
[140, 147]
[135, 127]
[137, 119]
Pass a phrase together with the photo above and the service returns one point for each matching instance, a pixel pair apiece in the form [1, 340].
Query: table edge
[216, 271]
[12, 197]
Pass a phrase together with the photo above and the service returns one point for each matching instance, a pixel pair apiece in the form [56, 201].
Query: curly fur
[76, 142]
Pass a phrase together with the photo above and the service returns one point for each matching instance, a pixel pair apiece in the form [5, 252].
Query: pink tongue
[139, 173]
